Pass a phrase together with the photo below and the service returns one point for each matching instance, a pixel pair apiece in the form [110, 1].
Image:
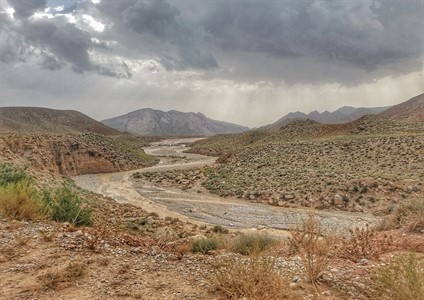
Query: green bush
[66, 206]
[204, 245]
[19, 199]
[9, 174]
[248, 244]
[401, 279]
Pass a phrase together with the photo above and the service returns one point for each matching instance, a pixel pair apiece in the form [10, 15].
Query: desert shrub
[366, 243]
[316, 250]
[21, 201]
[64, 277]
[411, 215]
[254, 278]
[219, 229]
[389, 222]
[401, 279]
[248, 244]
[9, 174]
[66, 206]
[204, 245]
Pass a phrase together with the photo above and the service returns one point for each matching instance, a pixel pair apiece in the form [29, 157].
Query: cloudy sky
[248, 62]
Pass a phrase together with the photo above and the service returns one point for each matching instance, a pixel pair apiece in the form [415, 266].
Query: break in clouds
[188, 54]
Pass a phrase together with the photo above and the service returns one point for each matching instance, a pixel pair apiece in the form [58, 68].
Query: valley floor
[196, 204]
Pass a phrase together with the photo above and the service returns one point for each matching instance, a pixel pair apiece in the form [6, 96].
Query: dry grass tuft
[252, 244]
[20, 201]
[316, 251]
[401, 279]
[366, 243]
[411, 215]
[254, 278]
[204, 245]
[62, 277]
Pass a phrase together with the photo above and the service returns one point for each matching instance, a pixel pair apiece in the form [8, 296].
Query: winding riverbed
[205, 207]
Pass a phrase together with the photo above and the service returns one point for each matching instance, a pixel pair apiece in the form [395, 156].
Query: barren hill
[411, 110]
[38, 119]
[152, 122]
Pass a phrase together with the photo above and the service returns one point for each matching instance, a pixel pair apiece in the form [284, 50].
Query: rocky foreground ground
[130, 254]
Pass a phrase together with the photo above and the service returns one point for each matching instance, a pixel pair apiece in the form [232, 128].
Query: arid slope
[412, 110]
[370, 164]
[38, 119]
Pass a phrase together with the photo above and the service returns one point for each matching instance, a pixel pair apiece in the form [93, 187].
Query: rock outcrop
[71, 154]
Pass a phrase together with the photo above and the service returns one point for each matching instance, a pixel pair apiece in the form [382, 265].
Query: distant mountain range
[38, 119]
[411, 110]
[151, 122]
[344, 114]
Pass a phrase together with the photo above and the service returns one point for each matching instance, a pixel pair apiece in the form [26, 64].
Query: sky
[247, 62]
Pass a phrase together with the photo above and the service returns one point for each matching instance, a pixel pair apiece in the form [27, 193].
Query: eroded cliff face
[68, 154]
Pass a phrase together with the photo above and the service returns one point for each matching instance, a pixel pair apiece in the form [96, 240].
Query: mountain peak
[152, 122]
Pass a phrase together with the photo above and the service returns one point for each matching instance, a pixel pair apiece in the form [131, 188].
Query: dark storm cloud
[54, 41]
[26, 8]
[156, 17]
[162, 20]
[293, 41]
[64, 40]
[364, 34]
[13, 47]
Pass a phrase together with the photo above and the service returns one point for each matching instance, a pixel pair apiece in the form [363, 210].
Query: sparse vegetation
[410, 215]
[252, 244]
[65, 276]
[219, 229]
[316, 250]
[401, 278]
[204, 245]
[20, 199]
[322, 166]
[366, 243]
[255, 278]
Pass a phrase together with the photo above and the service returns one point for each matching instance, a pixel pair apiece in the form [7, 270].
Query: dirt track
[205, 208]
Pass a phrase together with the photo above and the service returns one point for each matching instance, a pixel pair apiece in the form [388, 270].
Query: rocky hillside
[411, 110]
[227, 145]
[74, 154]
[152, 122]
[37, 119]
[344, 114]
[363, 165]
[224, 145]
